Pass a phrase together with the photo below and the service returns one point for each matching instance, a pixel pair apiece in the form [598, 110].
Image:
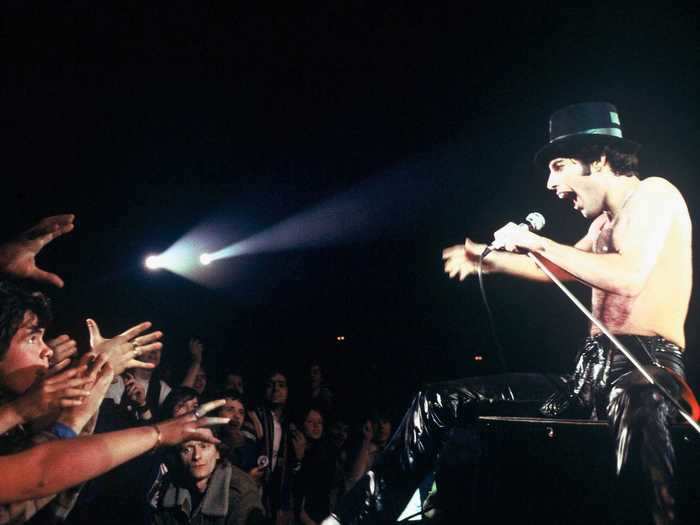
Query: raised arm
[463, 260]
[57, 465]
[123, 350]
[18, 256]
[50, 394]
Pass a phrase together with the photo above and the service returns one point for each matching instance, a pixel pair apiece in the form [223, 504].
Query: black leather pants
[603, 385]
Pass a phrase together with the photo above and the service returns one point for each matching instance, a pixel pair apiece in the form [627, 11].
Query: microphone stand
[615, 341]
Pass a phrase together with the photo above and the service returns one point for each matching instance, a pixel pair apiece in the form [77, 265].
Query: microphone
[534, 222]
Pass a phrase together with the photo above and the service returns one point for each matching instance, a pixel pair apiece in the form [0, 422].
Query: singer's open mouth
[571, 195]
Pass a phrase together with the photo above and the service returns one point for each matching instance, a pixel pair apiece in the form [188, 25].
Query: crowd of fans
[97, 435]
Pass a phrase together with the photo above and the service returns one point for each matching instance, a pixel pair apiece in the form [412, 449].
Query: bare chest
[604, 241]
[613, 310]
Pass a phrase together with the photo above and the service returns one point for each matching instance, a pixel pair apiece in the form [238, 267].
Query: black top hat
[580, 125]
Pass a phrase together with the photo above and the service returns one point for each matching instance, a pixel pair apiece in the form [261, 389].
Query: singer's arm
[522, 266]
[462, 260]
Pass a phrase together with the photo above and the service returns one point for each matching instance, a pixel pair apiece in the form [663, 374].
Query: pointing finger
[211, 405]
[213, 421]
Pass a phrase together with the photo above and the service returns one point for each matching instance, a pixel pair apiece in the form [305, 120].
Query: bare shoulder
[659, 195]
[660, 188]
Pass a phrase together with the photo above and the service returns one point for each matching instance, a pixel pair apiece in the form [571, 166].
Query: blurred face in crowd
[200, 381]
[186, 406]
[382, 430]
[316, 376]
[276, 390]
[27, 356]
[339, 434]
[153, 356]
[313, 425]
[235, 410]
[234, 382]
[199, 460]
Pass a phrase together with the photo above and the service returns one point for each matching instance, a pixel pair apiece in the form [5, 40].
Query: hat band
[615, 132]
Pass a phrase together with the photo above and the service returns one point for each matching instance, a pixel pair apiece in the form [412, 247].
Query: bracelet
[159, 438]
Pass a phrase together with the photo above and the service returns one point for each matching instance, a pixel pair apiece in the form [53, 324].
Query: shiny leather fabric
[603, 384]
[436, 410]
[640, 417]
[599, 365]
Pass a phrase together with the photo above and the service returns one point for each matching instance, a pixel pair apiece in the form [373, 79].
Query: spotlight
[153, 262]
[205, 258]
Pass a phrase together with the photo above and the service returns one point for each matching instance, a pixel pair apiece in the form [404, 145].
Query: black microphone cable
[492, 324]
[534, 222]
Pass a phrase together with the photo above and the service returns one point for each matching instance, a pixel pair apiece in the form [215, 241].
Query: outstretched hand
[18, 256]
[189, 426]
[50, 394]
[99, 375]
[122, 350]
[463, 259]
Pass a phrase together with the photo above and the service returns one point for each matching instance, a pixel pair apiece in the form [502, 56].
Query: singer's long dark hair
[621, 163]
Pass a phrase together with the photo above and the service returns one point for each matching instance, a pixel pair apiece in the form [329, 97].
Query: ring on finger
[198, 414]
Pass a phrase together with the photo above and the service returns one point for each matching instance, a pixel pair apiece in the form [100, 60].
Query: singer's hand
[463, 259]
[515, 237]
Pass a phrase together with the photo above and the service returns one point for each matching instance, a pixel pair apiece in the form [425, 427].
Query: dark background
[148, 123]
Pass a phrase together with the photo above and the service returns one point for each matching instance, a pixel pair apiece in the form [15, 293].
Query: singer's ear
[598, 165]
